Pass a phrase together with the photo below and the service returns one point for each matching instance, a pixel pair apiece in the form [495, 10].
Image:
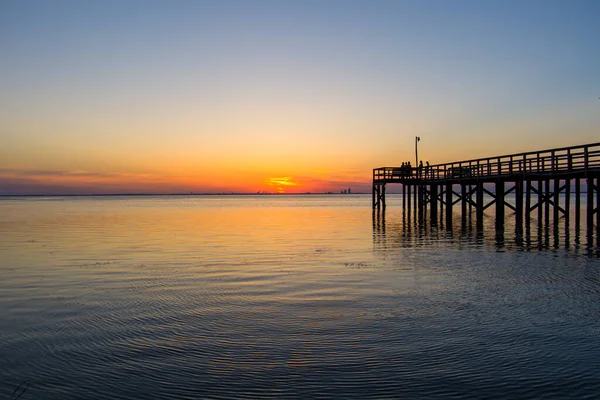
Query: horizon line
[180, 194]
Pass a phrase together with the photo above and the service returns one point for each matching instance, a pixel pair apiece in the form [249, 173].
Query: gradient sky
[295, 96]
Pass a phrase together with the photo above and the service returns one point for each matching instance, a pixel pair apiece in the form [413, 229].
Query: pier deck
[541, 180]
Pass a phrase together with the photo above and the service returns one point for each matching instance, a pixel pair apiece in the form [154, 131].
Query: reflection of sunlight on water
[285, 297]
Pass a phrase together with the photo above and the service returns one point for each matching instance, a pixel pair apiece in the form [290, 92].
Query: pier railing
[558, 161]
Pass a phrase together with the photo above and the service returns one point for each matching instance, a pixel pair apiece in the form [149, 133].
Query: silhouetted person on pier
[402, 171]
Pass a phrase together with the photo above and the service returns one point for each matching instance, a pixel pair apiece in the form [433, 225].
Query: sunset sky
[283, 96]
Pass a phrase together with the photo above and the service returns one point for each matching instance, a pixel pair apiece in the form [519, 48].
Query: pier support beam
[519, 204]
[480, 205]
[433, 201]
[567, 202]
[547, 202]
[441, 195]
[421, 199]
[378, 195]
[449, 206]
[374, 195]
[470, 198]
[500, 205]
[463, 199]
[577, 205]
[556, 208]
[415, 197]
[590, 209]
[528, 203]
[540, 189]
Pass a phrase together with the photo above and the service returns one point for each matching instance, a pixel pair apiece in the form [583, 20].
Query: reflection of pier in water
[407, 228]
[547, 184]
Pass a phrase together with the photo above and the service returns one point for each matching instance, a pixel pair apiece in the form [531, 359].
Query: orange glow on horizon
[40, 181]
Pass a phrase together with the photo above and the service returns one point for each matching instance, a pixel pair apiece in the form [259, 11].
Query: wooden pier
[542, 182]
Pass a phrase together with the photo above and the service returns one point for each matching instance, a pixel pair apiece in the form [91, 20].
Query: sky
[283, 96]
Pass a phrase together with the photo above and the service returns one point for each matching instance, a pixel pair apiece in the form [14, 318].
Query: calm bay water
[288, 297]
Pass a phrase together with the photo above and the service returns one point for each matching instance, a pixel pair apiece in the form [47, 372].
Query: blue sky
[177, 89]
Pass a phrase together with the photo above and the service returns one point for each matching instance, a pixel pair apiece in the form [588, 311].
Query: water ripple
[149, 298]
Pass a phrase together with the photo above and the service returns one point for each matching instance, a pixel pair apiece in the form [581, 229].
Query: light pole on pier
[417, 140]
